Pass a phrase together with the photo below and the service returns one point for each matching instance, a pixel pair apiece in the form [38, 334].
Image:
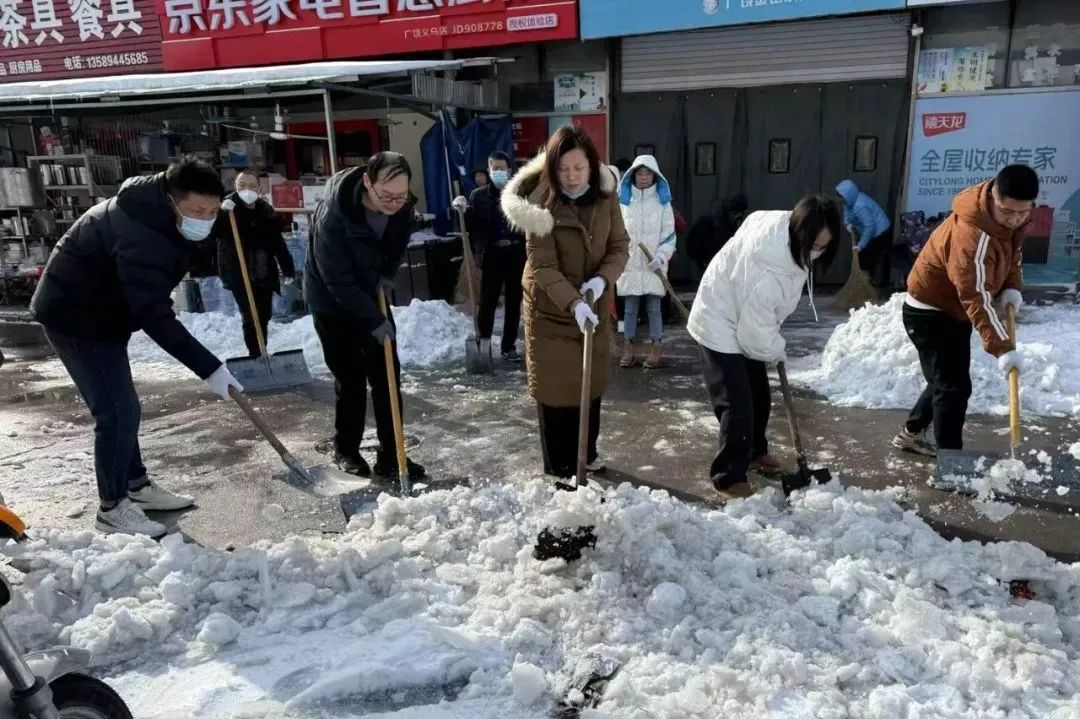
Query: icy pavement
[870, 362]
[846, 605]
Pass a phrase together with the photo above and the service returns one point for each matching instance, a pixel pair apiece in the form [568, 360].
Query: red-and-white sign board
[54, 39]
[204, 34]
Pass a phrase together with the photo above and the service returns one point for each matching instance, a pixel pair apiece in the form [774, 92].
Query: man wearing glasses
[359, 232]
[966, 276]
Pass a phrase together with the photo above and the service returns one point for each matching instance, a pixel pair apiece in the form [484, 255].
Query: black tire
[96, 699]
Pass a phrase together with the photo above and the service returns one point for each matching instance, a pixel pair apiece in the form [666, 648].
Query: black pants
[356, 361]
[503, 267]
[944, 346]
[870, 256]
[264, 298]
[559, 437]
[742, 401]
[102, 374]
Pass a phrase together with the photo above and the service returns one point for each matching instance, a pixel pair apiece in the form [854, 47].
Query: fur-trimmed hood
[521, 198]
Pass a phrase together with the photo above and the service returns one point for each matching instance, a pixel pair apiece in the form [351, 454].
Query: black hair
[623, 164]
[384, 166]
[566, 139]
[813, 214]
[500, 155]
[190, 175]
[249, 171]
[1017, 182]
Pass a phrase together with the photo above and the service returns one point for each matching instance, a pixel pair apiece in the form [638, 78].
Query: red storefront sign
[54, 39]
[939, 123]
[203, 34]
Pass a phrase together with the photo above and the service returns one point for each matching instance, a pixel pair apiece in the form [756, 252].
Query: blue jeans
[102, 374]
[652, 309]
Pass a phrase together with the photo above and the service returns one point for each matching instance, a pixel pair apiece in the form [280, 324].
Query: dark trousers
[742, 401]
[870, 257]
[102, 374]
[356, 361]
[264, 305]
[559, 437]
[944, 346]
[503, 267]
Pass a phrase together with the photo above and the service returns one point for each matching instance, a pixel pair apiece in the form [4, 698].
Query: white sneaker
[597, 466]
[152, 498]
[126, 518]
[920, 443]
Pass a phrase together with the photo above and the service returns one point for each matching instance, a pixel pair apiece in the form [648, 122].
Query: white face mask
[194, 229]
[815, 254]
[248, 197]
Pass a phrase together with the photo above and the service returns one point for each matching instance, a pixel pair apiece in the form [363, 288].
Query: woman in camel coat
[565, 203]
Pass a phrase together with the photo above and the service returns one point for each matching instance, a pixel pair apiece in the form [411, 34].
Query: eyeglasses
[392, 199]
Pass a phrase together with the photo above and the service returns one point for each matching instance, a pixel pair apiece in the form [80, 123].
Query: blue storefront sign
[961, 141]
[615, 18]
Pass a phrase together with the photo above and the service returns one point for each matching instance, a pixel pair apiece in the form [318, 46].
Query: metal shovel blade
[958, 469]
[478, 356]
[281, 370]
[803, 477]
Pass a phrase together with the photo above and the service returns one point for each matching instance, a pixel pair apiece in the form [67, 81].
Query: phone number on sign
[456, 29]
[122, 59]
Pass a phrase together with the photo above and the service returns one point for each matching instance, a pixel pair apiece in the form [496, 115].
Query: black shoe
[511, 356]
[386, 466]
[352, 463]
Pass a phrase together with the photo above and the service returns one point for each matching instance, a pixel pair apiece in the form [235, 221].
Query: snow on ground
[844, 605]
[429, 333]
[870, 362]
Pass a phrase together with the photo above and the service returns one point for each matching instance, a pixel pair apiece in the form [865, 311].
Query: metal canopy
[16, 96]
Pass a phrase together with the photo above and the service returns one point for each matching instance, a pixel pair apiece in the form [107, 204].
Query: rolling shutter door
[832, 50]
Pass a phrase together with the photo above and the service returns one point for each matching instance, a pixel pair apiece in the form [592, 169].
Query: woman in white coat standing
[645, 200]
[747, 292]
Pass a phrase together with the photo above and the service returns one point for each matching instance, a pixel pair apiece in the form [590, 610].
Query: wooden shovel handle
[585, 407]
[241, 258]
[667, 284]
[256, 420]
[1014, 382]
[395, 408]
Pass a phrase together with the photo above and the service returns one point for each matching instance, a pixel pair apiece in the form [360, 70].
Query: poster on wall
[581, 92]
[953, 69]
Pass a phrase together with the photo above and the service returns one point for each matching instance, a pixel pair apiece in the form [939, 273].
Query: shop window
[865, 154]
[779, 156]
[640, 150]
[705, 158]
[1045, 48]
[964, 48]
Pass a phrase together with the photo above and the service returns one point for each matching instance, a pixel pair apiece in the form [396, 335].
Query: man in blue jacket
[869, 223]
[113, 274]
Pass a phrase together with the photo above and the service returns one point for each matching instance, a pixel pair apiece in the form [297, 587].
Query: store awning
[14, 95]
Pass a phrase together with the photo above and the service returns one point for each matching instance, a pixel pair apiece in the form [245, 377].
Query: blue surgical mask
[195, 229]
[579, 193]
[500, 177]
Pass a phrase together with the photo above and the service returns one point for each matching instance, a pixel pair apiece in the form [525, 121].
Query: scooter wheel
[78, 696]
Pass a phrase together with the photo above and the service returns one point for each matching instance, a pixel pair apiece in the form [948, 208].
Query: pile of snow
[843, 605]
[429, 333]
[870, 362]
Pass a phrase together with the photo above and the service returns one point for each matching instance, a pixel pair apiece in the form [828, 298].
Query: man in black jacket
[359, 233]
[501, 251]
[264, 249]
[110, 275]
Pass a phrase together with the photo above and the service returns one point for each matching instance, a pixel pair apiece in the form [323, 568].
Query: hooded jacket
[967, 262]
[650, 220]
[113, 273]
[748, 290]
[345, 258]
[264, 247]
[862, 213]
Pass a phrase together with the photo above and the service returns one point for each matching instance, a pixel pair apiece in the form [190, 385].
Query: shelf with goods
[97, 176]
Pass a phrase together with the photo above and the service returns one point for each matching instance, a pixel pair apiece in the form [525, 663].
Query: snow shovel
[281, 370]
[395, 408]
[286, 456]
[803, 476]
[667, 284]
[477, 351]
[858, 290]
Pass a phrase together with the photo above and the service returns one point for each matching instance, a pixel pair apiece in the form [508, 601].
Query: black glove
[383, 332]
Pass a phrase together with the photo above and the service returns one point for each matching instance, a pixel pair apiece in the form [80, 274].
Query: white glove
[596, 285]
[228, 205]
[1009, 361]
[583, 313]
[656, 263]
[460, 204]
[288, 282]
[221, 381]
[1009, 297]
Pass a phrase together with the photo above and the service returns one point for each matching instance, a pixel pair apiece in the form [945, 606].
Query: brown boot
[628, 358]
[655, 359]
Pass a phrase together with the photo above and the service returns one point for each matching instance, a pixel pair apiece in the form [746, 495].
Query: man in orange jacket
[965, 276]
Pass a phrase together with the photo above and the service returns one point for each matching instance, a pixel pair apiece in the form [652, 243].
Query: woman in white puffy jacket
[645, 200]
[748, 290]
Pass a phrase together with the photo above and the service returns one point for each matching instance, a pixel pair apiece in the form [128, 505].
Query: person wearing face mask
[965, 277]
[749, 288]
[110, 275]
[576, 248]
[359, 232]
[266, 254]
[501, 250]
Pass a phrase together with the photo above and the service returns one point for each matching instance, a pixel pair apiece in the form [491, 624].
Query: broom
[858, 290]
